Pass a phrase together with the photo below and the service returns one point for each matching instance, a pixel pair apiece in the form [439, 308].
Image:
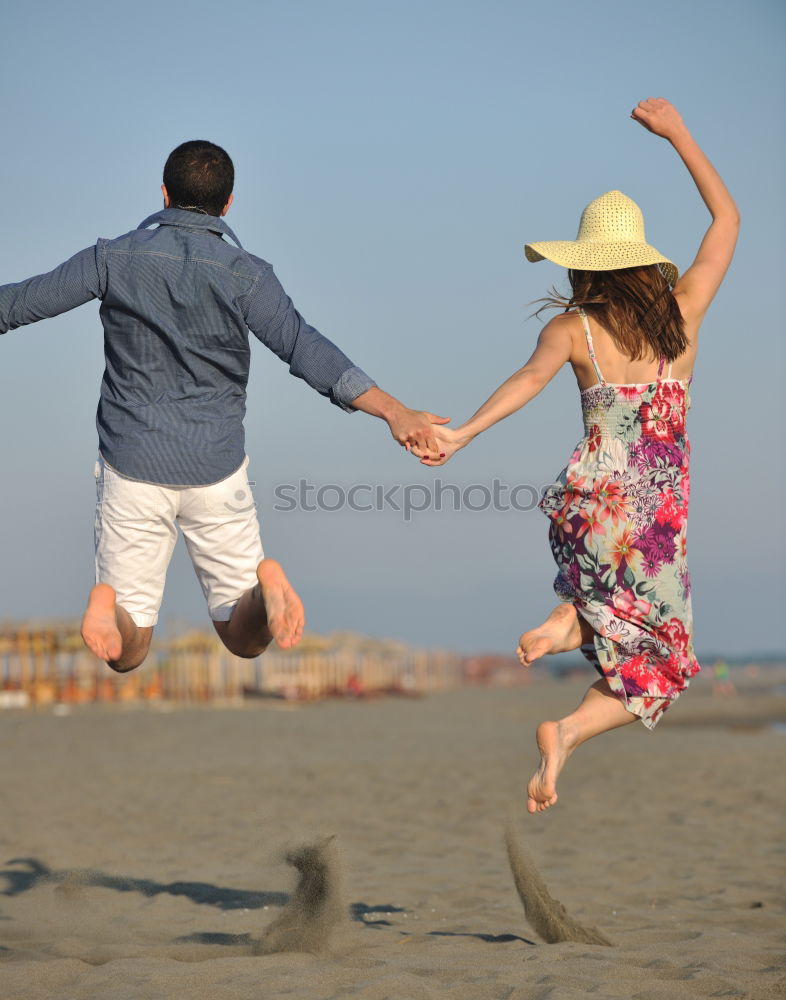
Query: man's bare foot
[284, 609]
[99, 624]
[555, 748]
[560, 633]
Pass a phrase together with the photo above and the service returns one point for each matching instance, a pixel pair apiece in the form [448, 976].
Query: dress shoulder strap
[590, 347]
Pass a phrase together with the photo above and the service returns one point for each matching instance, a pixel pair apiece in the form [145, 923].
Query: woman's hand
[659, 117]
[697, 286]
[414, 430]
[450, 441]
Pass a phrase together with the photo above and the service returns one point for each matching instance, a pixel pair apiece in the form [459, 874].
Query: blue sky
[392, 158]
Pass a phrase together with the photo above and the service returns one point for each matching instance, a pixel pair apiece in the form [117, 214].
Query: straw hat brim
[596, 255]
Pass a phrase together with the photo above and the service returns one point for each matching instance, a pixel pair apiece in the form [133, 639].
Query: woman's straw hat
[610, 237]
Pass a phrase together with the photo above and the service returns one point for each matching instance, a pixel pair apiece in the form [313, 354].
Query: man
[177, 302]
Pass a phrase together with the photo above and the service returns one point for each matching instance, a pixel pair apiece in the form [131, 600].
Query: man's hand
[413, 429]
[449, 442]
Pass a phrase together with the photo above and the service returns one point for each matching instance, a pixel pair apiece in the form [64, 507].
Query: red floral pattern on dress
[618, 521]
[671, 510]
[676, 634]
[655, 418]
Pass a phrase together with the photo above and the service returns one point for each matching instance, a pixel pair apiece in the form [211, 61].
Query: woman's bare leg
[109, 631]
[599, 712]
[269, 610]
[563, 631]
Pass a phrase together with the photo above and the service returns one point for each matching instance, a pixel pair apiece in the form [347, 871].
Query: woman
[618, 511]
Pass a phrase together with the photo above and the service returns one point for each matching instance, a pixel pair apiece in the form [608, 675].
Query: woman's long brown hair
[635, 305]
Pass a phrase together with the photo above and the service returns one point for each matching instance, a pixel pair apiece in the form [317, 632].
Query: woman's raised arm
[696, 288]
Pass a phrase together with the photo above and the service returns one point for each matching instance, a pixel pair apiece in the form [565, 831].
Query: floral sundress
[619, 515]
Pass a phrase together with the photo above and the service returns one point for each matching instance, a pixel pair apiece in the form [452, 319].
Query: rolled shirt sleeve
[71, 284]
[272, 317]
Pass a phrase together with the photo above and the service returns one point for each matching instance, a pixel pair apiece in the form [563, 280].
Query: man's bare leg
[599, 712]
[110, 632]
[269, 610]
[563, 631]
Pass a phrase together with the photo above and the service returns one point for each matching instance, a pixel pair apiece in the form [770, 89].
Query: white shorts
[135, 533]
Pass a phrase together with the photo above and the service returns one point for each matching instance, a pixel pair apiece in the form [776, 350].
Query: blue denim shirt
[177, 303]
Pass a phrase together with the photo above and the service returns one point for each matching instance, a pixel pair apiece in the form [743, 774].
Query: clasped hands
[424, 435]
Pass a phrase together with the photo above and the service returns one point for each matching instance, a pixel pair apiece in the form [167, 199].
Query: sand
[546, 915]
[144, 852]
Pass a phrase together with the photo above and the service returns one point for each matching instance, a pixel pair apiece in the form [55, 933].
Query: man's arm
[413, 429]
[73, 283]
[274, 320]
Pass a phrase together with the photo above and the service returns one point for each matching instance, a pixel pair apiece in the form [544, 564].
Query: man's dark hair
[199, 177]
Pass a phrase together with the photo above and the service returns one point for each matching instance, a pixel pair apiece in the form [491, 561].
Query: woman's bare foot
[99, 624]
[284, 609]
[555, 748]
[560, 633]
[599, 712]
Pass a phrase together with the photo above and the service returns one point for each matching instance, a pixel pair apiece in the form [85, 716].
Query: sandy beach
[143, 850]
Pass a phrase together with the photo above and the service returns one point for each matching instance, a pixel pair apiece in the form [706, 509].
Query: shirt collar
[189, 220]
